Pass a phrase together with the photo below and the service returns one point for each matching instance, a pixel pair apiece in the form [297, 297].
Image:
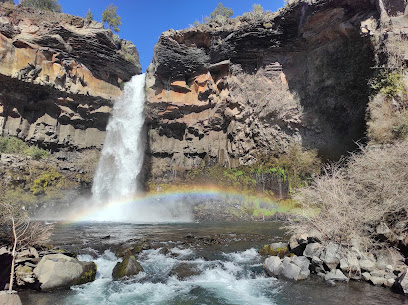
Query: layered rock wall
[59, 75]
[225, 94]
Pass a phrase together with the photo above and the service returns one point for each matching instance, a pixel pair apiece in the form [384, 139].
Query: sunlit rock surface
[58, 77]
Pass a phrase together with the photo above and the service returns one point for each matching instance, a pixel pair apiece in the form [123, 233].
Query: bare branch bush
[355, 203]
[17, 230]
[388, 120]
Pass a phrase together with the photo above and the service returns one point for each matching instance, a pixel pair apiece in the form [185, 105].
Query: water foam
[220, 281]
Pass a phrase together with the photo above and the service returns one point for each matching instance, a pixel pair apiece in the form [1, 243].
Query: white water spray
[122, 154]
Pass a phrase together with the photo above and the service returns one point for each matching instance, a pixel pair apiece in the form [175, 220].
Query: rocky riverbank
[44, 269]
[305, 255]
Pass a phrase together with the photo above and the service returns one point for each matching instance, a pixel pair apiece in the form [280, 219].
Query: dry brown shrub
[350, 204]
[384, 118]
[17, 230]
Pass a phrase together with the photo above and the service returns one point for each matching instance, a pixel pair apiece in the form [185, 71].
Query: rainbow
[105, 211]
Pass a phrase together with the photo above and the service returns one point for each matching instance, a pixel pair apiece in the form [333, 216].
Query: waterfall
[122, 154]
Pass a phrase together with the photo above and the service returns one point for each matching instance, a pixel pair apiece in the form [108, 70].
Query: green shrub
[390, 83]
[12, 145]
[46, 180]
[37, 153]
[89, 15]
[298, 166]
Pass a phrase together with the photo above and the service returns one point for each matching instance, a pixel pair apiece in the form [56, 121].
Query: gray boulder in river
[128, 267]
[295, 268]
[7, 298]
[59, 270]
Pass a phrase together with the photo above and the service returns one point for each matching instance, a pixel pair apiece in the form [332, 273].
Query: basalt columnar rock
[227, 93]
[59, 75]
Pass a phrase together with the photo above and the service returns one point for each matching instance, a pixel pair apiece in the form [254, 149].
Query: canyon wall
[255, 85]
[59, 75]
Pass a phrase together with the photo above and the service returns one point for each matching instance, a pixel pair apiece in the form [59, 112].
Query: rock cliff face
[58, 77]
[228, 93]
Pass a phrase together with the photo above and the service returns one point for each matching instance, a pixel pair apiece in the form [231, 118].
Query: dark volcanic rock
[227, 94]
[185, 270]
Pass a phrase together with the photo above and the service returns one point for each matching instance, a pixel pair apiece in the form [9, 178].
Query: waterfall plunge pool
[203, 263]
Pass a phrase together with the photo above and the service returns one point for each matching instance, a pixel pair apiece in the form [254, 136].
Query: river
[193, 263]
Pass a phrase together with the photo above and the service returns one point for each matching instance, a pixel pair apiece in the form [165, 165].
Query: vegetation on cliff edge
[12, 145]
[47, 5]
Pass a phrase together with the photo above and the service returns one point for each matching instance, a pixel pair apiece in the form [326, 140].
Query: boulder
[293, 242]
[297, 244]
[185, 270]
[7, 298]
[30, 252]
[128, 267]
[336, 275]
[366, 276]
[389, 283]
[317, 265]
[331, 255]
[59, 270]
[387, 259]
[296, 268]
[304, 263]
[272, 265]
[367, 264]
[291, 272]
[4, 250]
[274, 249]
[313, 249]
[378, 273]
[377, 281]
[349, 265]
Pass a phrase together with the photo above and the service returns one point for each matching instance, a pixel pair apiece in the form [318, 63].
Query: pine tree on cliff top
[220, 14]
[89, 15]
[110, 17]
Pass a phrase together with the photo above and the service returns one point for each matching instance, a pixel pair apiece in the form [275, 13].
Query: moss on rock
[128, 267]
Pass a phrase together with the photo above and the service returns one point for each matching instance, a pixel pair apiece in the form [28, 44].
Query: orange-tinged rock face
[54, 87]
[18, 58]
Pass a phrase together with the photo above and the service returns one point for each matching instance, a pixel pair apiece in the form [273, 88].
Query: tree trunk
[13, 254]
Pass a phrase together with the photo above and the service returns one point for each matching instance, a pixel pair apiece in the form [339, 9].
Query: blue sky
[144, 20]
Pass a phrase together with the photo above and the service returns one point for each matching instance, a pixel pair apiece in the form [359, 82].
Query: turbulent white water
[122, 155]
[218, 281]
